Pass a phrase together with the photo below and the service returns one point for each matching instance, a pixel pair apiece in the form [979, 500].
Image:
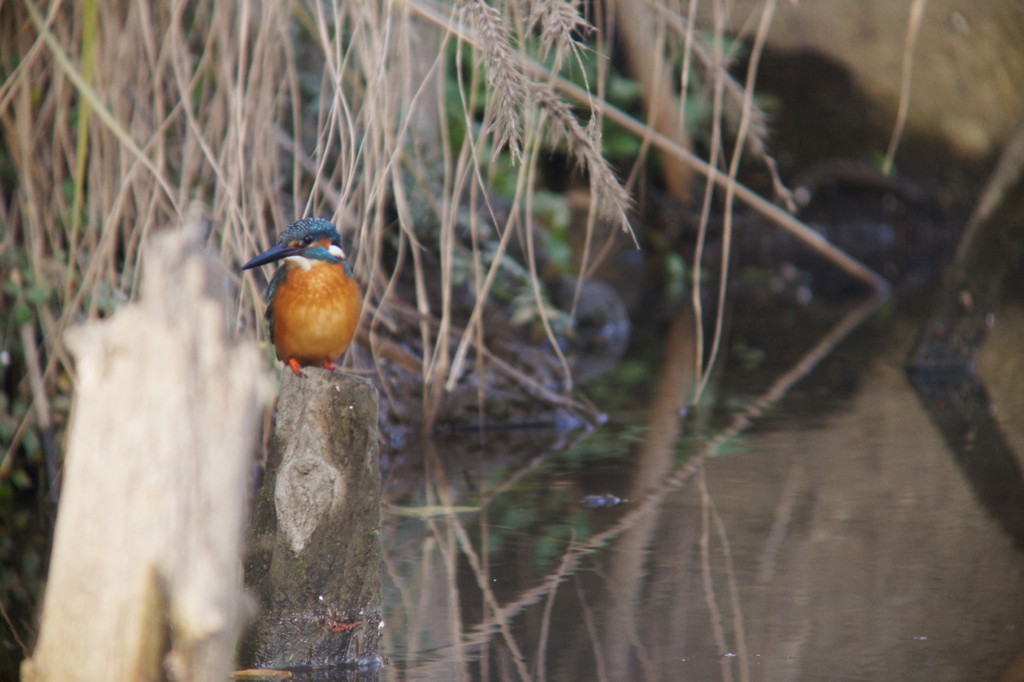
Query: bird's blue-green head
[309, 239]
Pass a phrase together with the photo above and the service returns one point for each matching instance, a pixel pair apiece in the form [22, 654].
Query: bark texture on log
[144, 577]
[316, 557]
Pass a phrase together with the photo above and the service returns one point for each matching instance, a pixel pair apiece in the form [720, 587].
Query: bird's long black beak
[274, 253]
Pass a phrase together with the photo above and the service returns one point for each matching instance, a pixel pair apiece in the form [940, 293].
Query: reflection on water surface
[835, 539]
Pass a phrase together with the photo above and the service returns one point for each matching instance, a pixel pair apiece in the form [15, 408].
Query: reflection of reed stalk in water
[643, 505]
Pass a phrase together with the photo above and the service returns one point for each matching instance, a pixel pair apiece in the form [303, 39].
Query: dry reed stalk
[730, 102]
[177, 125]
[747, 121]
[268, 112]
[913, 26]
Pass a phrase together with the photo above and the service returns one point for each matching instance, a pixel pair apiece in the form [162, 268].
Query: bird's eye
[307, 240]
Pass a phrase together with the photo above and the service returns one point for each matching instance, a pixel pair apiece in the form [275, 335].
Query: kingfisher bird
[313, 301]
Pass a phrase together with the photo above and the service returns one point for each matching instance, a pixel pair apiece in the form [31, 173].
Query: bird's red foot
[296, 367]
[329, 366]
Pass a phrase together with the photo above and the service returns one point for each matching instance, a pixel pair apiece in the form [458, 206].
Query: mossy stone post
[315, 561]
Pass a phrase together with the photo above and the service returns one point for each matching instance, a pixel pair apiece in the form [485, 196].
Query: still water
[834, 538]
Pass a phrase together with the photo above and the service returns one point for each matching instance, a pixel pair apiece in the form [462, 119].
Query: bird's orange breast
[316, 312]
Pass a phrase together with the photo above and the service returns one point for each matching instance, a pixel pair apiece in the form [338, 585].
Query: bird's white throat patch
[298, 262]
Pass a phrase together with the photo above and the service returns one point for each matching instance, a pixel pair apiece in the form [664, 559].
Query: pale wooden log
[316, 560]
[145, 576]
